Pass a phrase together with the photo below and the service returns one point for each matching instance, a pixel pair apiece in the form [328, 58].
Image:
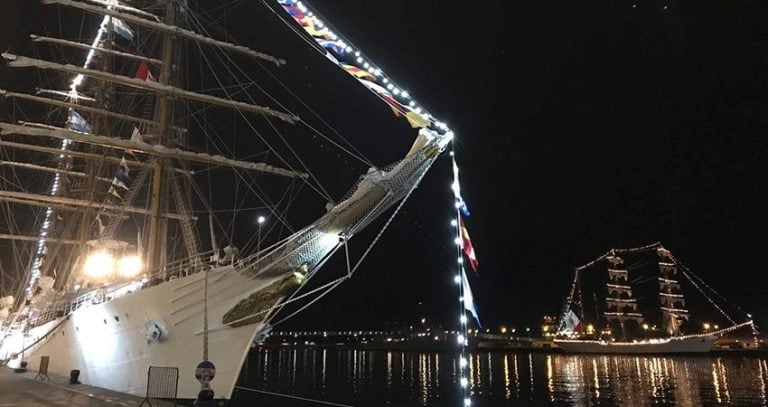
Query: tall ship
[118, 178]
[641, 301]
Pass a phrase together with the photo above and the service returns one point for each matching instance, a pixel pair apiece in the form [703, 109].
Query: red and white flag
[466, 244]
[144, 73]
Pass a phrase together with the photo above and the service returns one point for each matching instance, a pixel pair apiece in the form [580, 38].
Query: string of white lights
[684, 270]
[463, 338]
[348, 54]
[45, 228]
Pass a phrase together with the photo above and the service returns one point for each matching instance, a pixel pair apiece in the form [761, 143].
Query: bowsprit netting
[294, 261]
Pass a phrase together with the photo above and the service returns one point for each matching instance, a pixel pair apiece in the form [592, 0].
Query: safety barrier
[162, 384]
[42, 372]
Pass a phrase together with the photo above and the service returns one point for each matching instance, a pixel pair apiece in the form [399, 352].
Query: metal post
[261, 221]
[206, 370]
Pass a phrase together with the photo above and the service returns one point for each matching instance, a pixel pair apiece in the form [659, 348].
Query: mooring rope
[327, 403]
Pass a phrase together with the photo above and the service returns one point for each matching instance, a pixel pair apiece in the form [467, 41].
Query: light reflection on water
[394, 378]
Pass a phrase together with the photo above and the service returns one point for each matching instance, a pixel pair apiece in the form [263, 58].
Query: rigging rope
[350, 273]
[252, 186]
[198, 25]
[355, 153]
[685, 270]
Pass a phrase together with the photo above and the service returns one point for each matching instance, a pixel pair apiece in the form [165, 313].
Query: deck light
[130, 266]
[99, 264]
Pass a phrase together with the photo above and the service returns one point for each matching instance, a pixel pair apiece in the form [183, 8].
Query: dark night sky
[580, 126]
[589, 125]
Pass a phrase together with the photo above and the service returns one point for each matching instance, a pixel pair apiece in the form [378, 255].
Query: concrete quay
[20, 389]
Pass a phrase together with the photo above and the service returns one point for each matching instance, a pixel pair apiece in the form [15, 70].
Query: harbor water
[396, 378]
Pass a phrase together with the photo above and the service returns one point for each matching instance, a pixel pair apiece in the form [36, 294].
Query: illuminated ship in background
[115, 279]
[639, 308]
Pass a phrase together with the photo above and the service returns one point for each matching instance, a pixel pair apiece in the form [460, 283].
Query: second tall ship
[640, 307]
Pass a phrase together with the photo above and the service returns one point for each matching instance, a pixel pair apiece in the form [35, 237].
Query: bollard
[74, 374]
[205, 399]
[22, 368]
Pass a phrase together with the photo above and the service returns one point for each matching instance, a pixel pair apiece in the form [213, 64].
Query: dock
[21, 389]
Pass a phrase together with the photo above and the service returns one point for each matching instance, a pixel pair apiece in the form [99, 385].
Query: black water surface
[393, 378]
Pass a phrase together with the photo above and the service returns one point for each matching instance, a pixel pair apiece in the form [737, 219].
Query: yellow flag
[309, 26]
[416, 120]
[114, 192]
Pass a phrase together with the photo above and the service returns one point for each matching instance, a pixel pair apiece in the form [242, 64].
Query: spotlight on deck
[99, 264]
[130, 266]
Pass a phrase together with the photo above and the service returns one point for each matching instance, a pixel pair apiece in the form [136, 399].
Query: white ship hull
[684, 345]
[108, 342]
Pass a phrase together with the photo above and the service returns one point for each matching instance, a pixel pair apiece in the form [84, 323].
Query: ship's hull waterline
[109, 343]
[688, 345]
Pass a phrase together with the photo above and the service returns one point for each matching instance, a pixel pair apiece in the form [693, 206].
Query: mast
[621, 306]
[157, 230]
[670, 294]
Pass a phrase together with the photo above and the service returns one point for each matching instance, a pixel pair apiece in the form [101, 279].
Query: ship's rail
[69, 302]
[181, 268]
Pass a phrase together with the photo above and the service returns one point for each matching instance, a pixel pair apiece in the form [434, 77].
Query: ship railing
[181, 268]
[70, 302]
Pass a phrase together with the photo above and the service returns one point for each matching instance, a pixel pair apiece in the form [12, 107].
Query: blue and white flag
[469, 300]
[121, 175]
[78, 123]
[122, 29]
[120, 184]
[120, 180]
[335, 46]
[463, 206]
